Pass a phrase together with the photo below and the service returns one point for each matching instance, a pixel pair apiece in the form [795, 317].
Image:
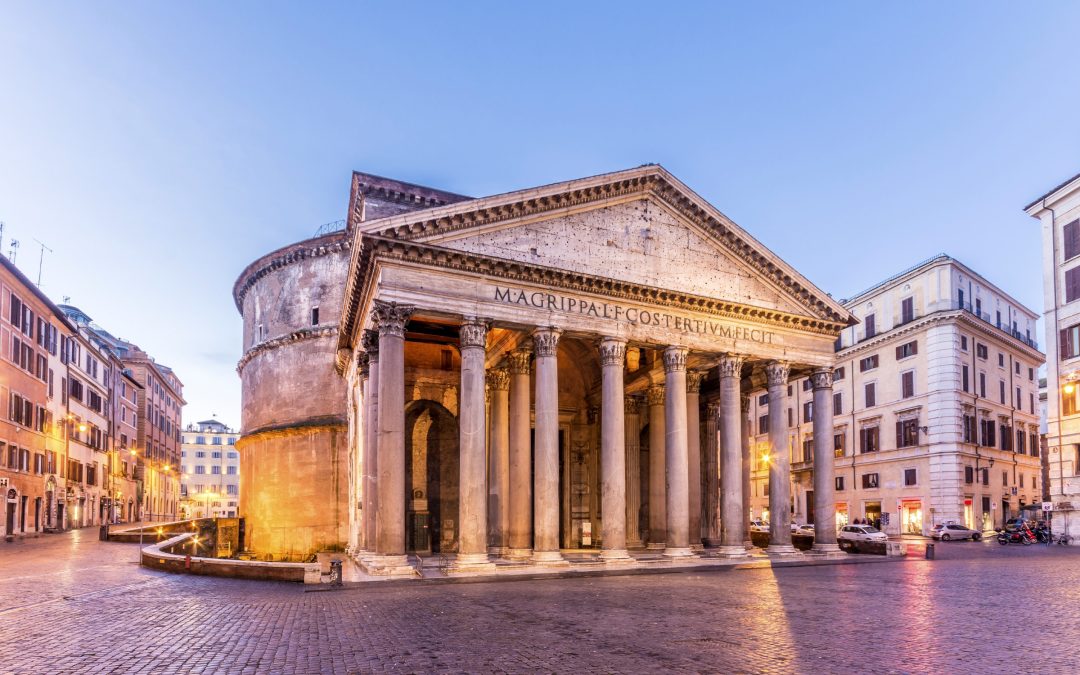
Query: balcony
[966, 306]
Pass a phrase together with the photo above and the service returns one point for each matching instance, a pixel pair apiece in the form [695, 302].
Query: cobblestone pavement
[69, 603]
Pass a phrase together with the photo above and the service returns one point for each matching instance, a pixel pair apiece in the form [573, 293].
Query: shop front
[911, 516]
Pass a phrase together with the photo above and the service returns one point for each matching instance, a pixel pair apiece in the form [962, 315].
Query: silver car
[860, 533]
[952, 531]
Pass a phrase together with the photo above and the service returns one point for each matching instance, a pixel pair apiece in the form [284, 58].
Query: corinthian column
[390, 461]
[546, 473]
[824, 484]
[631, 406]
[677, 459]
[731, 501]
[779, 463]
[499, 462]
[655, 397]
[472, 426]
[613, 452]
[746, 422]
[693, 454]
[520, 456]
[370, 342]
[712, 475]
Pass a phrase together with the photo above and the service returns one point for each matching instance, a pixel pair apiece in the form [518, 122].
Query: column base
[616, 556]
[783, 551]
[713, 542]
[678, 552]
[472, 563]
[635, 543]
[388, 565]
[826, 548]
[549, 559]
[697, 547]
[655, 547]
[498, 551]
[518, 554]
[731, 551]
[748, 545]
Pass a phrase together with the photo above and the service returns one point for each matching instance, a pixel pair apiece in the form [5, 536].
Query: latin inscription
[630, 315]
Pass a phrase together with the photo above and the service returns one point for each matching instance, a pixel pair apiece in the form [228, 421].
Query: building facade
[209, 471]
[935, 408]
[1058, 212]
[540, 370]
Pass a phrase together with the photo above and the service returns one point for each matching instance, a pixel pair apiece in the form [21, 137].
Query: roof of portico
[416, 235]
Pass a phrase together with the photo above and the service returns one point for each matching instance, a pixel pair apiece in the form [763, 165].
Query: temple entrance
[431, 478]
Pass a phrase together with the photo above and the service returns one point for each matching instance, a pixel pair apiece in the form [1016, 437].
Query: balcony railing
[1022, 337]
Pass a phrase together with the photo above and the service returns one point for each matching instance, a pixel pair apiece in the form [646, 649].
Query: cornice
[302, 335]
[382, 248]
[289, 255]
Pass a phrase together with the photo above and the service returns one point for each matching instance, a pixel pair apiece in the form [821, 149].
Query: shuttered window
[1072, 284]
[871, 395]
[1071, 239]
[838, 403]
[907, 310]
[907, 384]
[907, 349]
[1070, 342]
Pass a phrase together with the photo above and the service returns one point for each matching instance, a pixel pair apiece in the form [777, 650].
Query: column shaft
[712, 475]
[746, 427]
[676, 454]
[499, 462]
[371, 440]
[731, 483]
[520, 455]
[657, 506]
[779, 462]
[472, 444]
[824, 484]
[546, 472]
[612, 451]
[693, 454]
[631, 406]
[390, 461]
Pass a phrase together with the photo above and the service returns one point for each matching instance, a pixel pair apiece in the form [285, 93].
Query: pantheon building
[559, 369]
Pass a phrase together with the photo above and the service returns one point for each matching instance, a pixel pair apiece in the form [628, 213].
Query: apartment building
[88, 428]
[1058, 212]
[210, 470]
[935, 407]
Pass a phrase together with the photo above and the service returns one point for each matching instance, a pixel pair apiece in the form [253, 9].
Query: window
[1017, 364]
[808, 449]
[838, 403]
[868, 440]
[981, 351]
[907, 349]
[1005, 478]
[963, 339]
[964, 378]
[970, 433]
[231, 470]
[1001, 391]
[871, 330]
[215, 469]
[233, 455]
[1069, 400]
[838, 374]
[808, 412]
[216, 454]
[911, 477]
[839, 483]
[200, 469]
[869, 363]
[838, 443]
[232, 489]
[314, 316]
[1021, 437]
[907, 433]
[870, 393]
[969, 474]
[216, 440]
[1001, 360]
[987, 432]
[763, 399]
[907, 310]
[982, 385]
[986, 476]
[1072, 284]
[1031, 374]
[1070, 239]
[763, 424]
[869, 481]
[1020, 401]
[807, 384]
[1035, 445]
[790, 418]
[1006, 437]
[1070, 342]
[907, 384]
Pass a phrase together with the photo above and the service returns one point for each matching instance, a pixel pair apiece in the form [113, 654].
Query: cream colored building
[935, 407]
[1059, 213]
[615, 323]
[209, 471]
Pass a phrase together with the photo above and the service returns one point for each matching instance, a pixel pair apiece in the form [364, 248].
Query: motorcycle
[1019, 536]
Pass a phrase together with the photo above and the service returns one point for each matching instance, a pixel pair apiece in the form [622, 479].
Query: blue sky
[158, 148]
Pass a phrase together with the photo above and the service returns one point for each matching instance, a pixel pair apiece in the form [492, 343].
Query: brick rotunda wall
[293, 445]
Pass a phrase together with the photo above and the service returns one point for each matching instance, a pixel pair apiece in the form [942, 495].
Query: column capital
[498, 379]
[392, 317]
[612, 351]
[473, 333]
[546, 341]
[777, 373]
[731, 365]
[631, 404]
[654, 395]
[520, 361]
[712, 408]
[369, 341]
[363, 364]
[693, 381]
[822, 378]
[675, 359]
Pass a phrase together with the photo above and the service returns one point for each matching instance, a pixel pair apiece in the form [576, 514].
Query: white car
[759, 526]
[861, 533]
[802, 529]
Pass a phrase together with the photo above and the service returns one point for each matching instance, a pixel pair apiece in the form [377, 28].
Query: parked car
[759, 526]
[803, 529]
[860, 533]
[950, 531]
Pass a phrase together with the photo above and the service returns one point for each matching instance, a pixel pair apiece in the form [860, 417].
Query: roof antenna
[41, 260]
[14, 250]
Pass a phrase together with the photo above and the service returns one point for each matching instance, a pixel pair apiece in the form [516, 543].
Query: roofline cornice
[285, 256]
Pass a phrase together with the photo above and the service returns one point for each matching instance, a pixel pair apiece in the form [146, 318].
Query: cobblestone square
[85, 606]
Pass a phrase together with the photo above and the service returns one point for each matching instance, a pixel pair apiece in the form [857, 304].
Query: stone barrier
[159, 557]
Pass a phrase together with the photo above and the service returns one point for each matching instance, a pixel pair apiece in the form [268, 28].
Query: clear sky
[158, 148]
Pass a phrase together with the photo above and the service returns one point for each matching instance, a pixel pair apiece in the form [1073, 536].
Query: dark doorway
[37, 514]
[431, 478]
[809, 507]
[60, 516]
[22, 513]
[9, 528]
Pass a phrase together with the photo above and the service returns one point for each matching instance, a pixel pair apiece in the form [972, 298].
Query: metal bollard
[929, 551]
[335, 572]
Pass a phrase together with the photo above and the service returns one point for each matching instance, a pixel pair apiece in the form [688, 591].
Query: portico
[618, 323]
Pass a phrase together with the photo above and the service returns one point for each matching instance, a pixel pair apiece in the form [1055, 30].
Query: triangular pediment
[640, 226]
